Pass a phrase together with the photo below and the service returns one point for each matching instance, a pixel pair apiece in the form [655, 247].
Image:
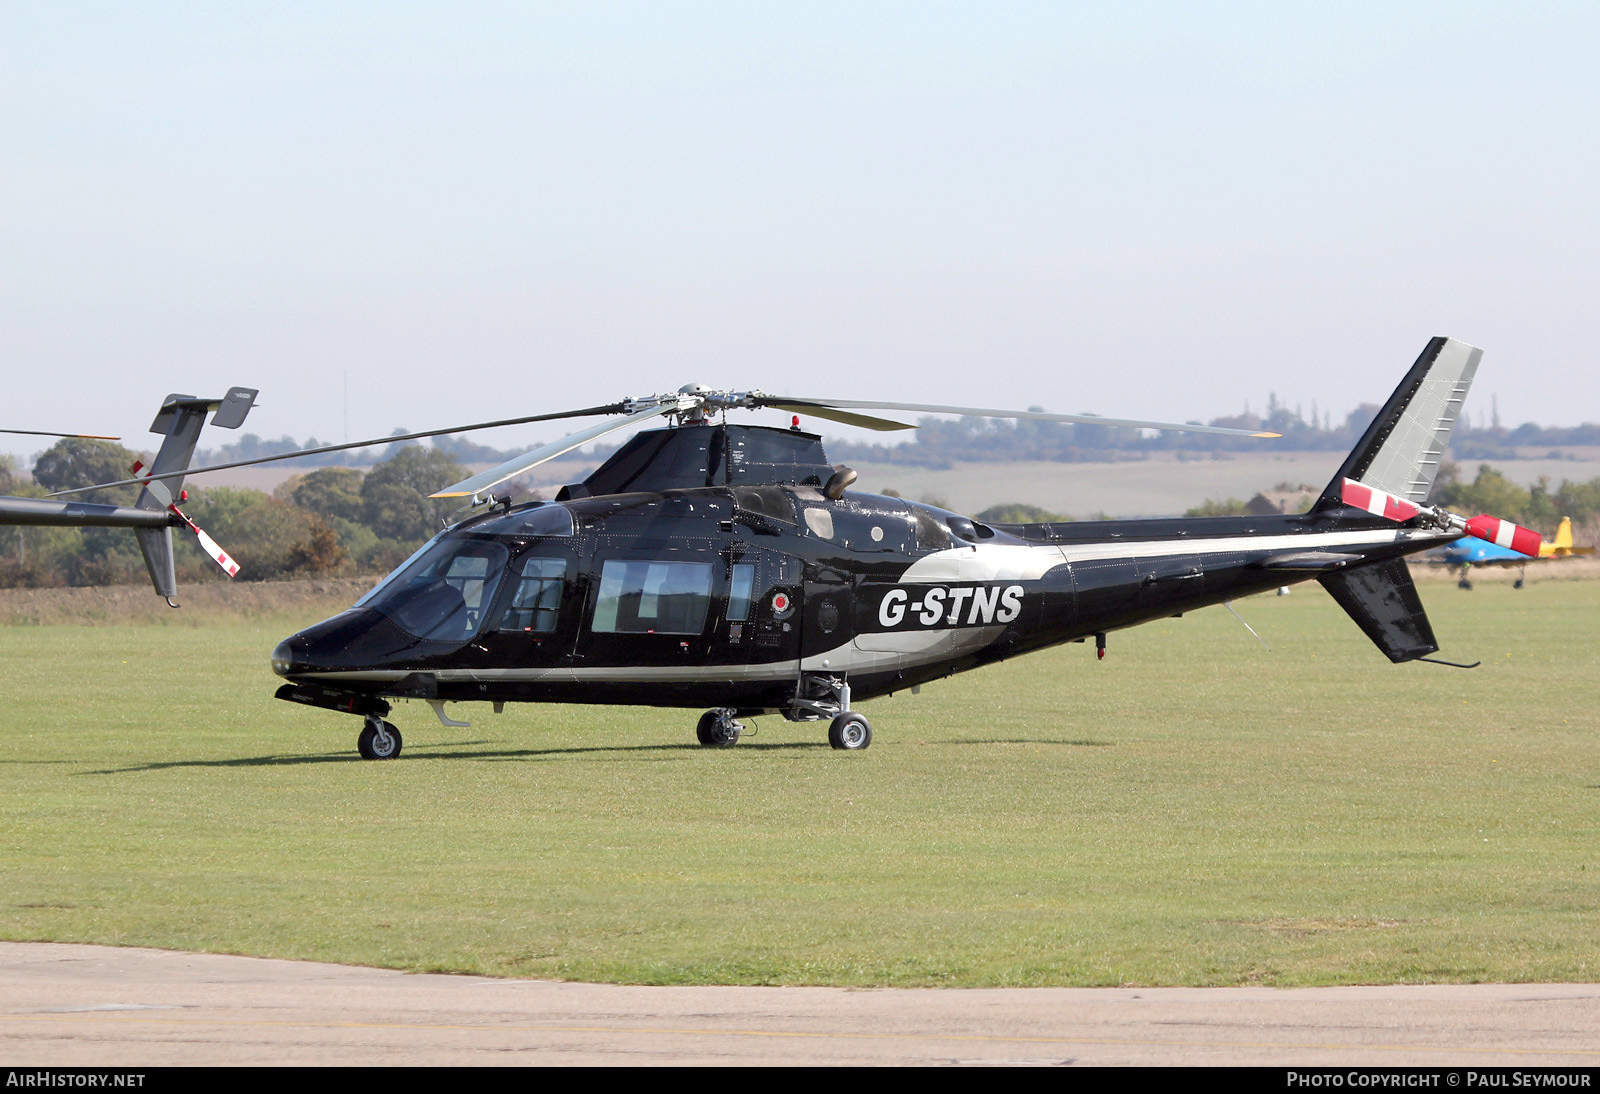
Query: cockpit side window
[444, 592]
[536, 605]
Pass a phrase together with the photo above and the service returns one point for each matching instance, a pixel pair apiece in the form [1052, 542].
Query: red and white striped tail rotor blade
[1379, 503]
[209, 545]
[1522, 540]
[223, 558]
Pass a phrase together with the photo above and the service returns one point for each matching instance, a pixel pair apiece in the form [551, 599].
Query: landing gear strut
[718, 729]
[379, 740]
[829, 697]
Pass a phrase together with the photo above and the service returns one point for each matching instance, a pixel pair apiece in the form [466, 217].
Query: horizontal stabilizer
[1382, 600]
[233, 407]
[1309, 560]
[181, 419]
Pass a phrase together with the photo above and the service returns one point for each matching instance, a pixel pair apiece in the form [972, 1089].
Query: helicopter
[732, 568]
[155, 512]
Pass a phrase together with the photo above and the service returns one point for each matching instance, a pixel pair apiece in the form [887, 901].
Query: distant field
[1192, 810]
[1157, 487]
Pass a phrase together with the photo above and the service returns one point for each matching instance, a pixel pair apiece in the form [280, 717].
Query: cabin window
[536, 604]
[740, 591]
[639, 597]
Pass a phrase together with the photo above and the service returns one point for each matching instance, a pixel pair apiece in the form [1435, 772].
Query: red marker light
[183, 495]
[794, 422]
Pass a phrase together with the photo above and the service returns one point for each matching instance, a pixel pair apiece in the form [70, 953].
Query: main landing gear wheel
[850, 731]
[379, 740]
[717, 729]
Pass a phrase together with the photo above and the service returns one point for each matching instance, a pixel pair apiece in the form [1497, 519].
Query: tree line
[1539, 507]
[332, 520]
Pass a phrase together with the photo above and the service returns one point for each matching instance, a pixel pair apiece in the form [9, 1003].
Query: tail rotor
[1381, 503]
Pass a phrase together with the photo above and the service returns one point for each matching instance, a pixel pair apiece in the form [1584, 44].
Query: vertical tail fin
[155, 544]
[1402, 448]
[1561, 546]
[1397, 460]
[1382, 600]
[180, 418]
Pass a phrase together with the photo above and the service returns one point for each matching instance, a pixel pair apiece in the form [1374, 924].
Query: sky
[467, 211]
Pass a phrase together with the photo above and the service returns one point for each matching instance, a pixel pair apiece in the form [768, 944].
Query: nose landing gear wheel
[850, 731]
[717, 729]
[379, 740]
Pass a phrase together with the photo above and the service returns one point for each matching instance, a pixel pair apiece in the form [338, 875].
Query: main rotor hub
[695, 402]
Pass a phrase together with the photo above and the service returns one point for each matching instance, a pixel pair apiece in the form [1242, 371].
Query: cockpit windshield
[441, 594]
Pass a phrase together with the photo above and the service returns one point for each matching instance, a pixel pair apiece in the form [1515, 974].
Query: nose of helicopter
[354, 639]
[324, 646]
[297, 654]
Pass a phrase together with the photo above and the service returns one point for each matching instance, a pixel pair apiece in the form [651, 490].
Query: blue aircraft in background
[1471, 551]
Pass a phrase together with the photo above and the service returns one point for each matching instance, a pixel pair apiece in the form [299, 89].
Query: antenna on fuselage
[1229, 605]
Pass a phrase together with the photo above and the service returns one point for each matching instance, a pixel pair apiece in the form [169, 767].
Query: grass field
[1193, 810]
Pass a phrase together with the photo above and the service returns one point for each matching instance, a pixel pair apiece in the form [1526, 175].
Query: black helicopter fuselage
[766, 597]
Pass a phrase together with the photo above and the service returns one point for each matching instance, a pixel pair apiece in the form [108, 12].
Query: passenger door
[651, 606]
[538, 617]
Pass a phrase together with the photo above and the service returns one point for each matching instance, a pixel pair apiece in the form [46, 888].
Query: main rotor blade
[514, 467]
[614, 408]
[819, 410]
[979, 412]
[40, 433]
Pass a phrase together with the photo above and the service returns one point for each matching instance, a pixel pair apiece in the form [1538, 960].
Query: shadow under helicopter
[432, 752]
[544, 755]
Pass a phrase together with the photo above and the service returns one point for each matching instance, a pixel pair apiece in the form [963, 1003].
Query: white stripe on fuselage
[919, 648]
[617, 674]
